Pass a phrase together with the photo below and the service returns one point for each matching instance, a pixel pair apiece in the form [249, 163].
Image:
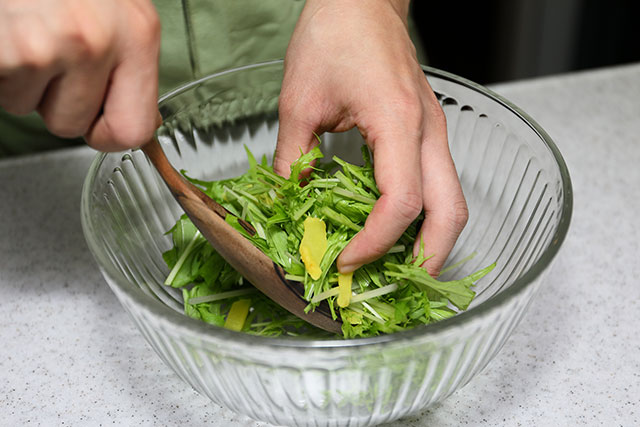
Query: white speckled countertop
[70, 356]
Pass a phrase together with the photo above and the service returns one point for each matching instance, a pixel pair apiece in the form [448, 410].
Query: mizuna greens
[292, 218]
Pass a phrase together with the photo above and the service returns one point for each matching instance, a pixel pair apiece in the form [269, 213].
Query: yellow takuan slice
[237, 314]
[313, 245]
[344, 289]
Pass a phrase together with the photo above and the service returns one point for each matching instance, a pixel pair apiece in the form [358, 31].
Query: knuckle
[408, 206]
[436, 111]
[408, 108]
[37, 53]
[95, 47]
[459, 216]
[408, 96]
[148, 28]
[78, 41]
[436, 115]
[87, 44]
[454, 219]
[155, 25]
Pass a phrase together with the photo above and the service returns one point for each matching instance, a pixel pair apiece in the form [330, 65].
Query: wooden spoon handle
[178, 184]
[209, 217]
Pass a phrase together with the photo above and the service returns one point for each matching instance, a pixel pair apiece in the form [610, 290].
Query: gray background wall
[498, 40]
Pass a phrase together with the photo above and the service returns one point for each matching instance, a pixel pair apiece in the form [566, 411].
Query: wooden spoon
[209, 217]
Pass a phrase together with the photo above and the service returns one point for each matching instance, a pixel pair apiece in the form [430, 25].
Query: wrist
[400, 7]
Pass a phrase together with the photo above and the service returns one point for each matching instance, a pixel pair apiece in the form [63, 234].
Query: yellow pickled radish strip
[344, 289]
[313, 245]
[237, 314]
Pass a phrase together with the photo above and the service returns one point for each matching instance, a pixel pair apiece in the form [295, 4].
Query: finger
[21, 91]
[444, 204]
[295, 136]
[27, 62]
[130, 112]
[72, 101]
[397, 173]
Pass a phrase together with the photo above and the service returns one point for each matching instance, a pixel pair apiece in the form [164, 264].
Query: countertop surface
[69, 355]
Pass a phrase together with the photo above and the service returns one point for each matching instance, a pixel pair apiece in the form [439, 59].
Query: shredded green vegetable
[391, 294]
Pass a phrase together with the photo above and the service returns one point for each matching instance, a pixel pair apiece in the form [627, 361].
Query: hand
[89, 67]
[351, 63]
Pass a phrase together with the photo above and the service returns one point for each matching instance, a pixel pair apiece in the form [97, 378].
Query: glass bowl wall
[519, 196]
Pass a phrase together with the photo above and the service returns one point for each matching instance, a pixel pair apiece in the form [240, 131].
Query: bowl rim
[206, 332]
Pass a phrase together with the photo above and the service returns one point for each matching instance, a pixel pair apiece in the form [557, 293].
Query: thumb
[130, 111]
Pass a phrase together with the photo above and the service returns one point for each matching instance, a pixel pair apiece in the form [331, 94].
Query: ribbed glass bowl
[519, 196]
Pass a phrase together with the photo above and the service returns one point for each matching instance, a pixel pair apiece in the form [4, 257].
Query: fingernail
[346, 267]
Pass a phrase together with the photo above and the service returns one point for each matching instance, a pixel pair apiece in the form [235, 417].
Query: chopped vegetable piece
[222, 295]
[313, 246]
[332, 292]
[302, 224]
[237, 314]
[374, 293]
[344, 289]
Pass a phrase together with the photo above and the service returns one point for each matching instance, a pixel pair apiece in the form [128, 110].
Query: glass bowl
[520, 201]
